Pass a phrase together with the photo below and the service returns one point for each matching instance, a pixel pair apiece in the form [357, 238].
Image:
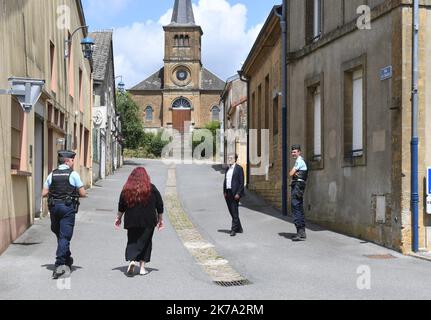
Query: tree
[133, 130]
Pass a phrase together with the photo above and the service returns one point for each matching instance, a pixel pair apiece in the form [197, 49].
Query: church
[182, 95]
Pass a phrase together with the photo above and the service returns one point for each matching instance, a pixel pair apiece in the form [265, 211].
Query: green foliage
[133, 130]
[213, 127]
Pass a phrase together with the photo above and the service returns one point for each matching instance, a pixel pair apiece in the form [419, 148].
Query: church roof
[210, 81]
[102, 53]
[153, 83]
[183, 14]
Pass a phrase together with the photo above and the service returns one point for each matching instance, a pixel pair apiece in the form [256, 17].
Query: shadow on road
[51, 267]
[124, 269]
[224, 231]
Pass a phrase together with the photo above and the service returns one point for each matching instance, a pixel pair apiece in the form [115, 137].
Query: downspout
[283, 25]
[247, 80]
[415, 136]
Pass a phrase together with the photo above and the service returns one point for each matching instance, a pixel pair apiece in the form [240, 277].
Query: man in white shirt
[233, 189]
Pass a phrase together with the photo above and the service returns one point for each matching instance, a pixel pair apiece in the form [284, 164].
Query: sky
[230, 28]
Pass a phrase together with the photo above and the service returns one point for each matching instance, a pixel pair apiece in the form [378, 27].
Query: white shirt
[229, 177]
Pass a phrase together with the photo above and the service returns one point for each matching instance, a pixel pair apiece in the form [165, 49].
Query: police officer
[299, 175]
[63, 188]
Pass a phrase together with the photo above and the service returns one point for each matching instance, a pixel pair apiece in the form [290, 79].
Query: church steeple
[183, 13]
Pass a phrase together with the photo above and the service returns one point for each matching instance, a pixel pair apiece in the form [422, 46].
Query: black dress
[140, 222]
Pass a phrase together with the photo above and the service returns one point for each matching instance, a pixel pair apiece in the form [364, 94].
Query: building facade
[107, 147]
[233, 105]
[349, 91]
[182, 95]
[262, 70]
[32, 34]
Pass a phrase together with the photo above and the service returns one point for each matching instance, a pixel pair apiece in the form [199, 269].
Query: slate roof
[102, 53]
[209, 82]
[183, 13]
[153, 83]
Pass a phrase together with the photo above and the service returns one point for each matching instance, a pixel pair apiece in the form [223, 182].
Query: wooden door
[179, 117]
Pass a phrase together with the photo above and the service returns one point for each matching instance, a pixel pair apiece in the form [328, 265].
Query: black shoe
[303, 234]
[233, 234]
[58, 274]
[300, 236]
[240, 231]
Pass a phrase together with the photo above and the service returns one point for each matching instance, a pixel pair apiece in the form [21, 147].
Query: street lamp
[121, 86]
[86, 43]
[26, 90]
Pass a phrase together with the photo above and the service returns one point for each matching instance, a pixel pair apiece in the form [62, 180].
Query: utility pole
[415, 136]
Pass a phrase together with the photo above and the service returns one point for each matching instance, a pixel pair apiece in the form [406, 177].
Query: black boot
[303, 234]
[300, 236]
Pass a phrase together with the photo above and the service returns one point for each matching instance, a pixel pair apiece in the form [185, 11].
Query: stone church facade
[182, 94]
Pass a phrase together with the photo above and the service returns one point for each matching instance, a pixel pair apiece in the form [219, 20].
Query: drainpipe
[283, 24]
[415, 136]
[247, 80]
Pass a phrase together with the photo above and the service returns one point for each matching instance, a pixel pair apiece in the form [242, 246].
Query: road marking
[202, 251]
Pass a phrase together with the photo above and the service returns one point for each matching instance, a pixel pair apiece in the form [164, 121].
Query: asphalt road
[327, 266]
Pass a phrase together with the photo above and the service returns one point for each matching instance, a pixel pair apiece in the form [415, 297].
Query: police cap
[67, 154]
[296, 147]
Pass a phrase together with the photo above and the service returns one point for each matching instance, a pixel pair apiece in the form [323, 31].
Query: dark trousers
[139, 244]
[233, 206]
[298, 190]
[62, 225]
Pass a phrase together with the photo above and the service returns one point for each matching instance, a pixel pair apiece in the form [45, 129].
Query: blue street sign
[429, 181]
[386, 73]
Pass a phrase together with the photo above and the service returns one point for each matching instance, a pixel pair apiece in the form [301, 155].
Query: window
[181, 103]
[354, 114]
[358, 110]
[70, 67]
[215, 113]
[317, 137]
[267, 111]
[313, 20]
[315, 111]
[53, 66]
[17, 124]
[81, 96]
[81, 145]
[86, 148]
[176, 41]
[275, 125]
[187, 41]
[149, 114]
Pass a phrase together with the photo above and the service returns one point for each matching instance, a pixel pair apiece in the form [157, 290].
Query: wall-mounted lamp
[86, 43]
[121, 86]
[27, 91]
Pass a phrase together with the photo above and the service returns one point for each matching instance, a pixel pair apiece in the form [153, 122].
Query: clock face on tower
[181, 76]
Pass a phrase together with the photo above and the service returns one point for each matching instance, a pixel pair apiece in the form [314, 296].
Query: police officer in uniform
[299, 175]
[63, 189]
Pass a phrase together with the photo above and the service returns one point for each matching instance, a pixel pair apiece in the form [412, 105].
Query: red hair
[137, 190]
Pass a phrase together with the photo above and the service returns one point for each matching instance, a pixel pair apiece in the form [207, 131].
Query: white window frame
[317, 108]
[358, 113]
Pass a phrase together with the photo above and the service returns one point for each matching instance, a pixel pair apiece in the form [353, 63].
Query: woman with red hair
[142, 207]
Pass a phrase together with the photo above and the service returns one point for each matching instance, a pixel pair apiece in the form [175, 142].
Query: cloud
[139, 48]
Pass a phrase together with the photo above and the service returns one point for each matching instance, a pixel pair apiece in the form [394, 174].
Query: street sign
[429, 181]
[386, 73]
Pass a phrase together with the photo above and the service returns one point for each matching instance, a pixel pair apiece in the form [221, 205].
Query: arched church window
[215, 113]
[181, 103]
[187, 41]
[149, 113]
[181, 41]
[176, 41]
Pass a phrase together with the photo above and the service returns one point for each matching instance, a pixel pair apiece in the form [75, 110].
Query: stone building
[233, 103]
[32, 37]
[183, 91]
[349, 90]
[107, 149]
[263, 71]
